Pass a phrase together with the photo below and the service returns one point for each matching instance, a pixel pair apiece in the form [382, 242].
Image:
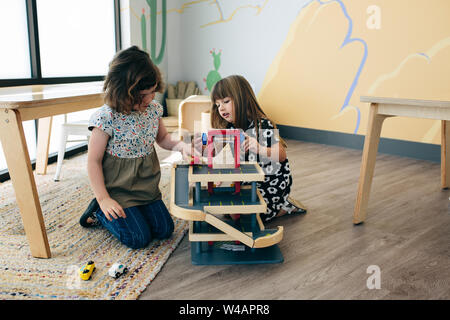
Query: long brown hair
[246, 107]
[130, 71]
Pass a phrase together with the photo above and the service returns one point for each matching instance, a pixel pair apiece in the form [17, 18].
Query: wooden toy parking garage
[214, 238]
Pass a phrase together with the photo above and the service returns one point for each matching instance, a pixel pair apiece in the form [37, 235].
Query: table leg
[368, 163]
[19, 166]
[445, 156]
[43, 144]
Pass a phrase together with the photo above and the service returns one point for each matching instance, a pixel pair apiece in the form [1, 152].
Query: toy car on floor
[117, 269]
[87, 270]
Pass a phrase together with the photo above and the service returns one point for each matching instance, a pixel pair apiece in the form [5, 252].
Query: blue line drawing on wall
[425, 55]
[348, 39]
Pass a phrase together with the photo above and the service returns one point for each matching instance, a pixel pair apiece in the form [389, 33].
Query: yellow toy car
[87, 270]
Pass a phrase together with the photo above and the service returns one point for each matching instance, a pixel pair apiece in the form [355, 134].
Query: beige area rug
[25, 277]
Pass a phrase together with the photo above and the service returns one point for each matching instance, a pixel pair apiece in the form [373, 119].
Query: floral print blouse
[132, 135]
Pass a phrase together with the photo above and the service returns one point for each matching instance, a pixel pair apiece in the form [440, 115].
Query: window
[55, 41]
[76, 37]
[15, 52]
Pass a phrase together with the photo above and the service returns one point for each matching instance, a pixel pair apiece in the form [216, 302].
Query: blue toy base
[204, 253]
[223, 252]
[214, 255]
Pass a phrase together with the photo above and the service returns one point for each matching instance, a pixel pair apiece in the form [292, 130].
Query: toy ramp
[263, 241]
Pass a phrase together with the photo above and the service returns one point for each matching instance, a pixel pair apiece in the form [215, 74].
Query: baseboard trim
[417, 150]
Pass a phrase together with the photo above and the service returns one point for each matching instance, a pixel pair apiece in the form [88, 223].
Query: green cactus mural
[214, 75]
[144, 30]
[153, 11]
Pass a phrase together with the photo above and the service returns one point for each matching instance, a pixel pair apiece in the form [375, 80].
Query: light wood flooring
[406, 234]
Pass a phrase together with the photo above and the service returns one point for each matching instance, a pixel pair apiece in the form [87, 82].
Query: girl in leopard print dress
[234, 105]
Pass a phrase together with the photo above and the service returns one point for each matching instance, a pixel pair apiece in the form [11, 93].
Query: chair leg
[61, 152]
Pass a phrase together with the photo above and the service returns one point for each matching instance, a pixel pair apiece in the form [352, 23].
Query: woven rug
[25, 277]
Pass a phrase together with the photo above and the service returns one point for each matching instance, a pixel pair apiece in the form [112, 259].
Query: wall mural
[313, 59]
[223, 18]
[152, 4]
[214, 75]
[390, 49]
[348, 39]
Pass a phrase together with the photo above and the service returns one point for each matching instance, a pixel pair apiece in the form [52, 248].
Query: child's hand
[250, 143]
[111, 208]
[198, 143]
[186, 151]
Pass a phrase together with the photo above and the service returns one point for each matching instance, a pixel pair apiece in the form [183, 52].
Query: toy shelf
[204, 211]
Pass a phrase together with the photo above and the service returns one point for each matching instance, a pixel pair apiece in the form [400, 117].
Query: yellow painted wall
[408, 57]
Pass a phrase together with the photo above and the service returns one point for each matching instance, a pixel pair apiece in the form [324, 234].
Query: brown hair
[130, 71]
[246, 106]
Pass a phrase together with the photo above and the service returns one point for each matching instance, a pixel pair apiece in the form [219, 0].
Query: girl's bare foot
[283, 212]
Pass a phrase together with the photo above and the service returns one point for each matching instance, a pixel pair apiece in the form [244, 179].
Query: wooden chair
[190, 111]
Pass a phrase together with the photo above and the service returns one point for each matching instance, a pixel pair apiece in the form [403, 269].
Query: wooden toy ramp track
[190, 201]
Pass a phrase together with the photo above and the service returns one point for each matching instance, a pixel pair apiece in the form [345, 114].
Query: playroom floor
[406, 234]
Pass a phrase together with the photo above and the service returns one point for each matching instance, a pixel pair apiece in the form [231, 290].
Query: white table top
[32, 95]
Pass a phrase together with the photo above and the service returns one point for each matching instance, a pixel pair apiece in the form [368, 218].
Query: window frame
[35, 63]
[36, 75]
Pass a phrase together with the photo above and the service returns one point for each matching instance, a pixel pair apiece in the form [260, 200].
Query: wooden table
[41, 102]
[380, 109]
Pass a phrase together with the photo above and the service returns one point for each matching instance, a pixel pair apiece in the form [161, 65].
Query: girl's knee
[169, 230]
[160, 220]
[136, 240]
[165, 229]
[135, 233]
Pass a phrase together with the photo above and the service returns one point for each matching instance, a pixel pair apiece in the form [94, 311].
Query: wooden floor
[406, 234]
